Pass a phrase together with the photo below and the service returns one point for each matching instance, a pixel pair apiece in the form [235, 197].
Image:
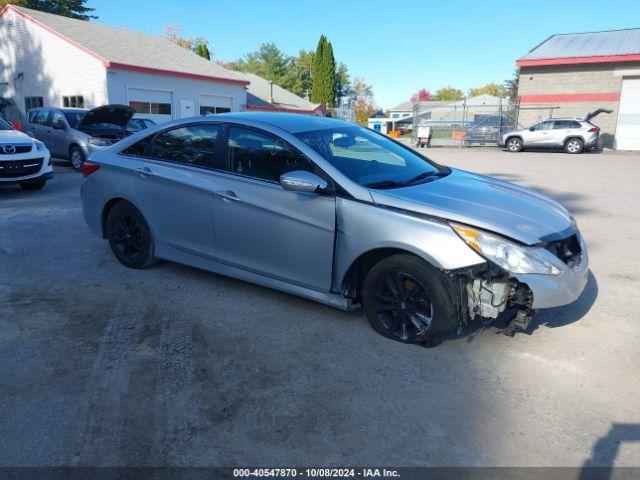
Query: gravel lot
[102, 365]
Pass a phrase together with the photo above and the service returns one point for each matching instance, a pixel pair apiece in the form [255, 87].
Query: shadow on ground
[605, 451]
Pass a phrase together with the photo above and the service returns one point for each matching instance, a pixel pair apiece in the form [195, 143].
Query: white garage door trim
[144, 94]
[628, 127]
[213, 100]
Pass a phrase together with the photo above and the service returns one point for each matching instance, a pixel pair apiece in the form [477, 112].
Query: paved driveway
[101, 365]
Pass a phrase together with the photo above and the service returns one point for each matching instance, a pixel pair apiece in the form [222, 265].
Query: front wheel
[129, 236]
[574, 145]
[407, 300]
[514, 145]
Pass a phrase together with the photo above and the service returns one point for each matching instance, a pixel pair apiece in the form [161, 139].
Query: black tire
[76, 157]
[574, 146]
[514, 145]
[129, 236]
[421, 305]
[37, 185]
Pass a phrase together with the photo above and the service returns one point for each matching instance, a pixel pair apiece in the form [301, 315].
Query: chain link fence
[464, 123]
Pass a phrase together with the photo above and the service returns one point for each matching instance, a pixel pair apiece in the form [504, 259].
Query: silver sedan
[336, 213]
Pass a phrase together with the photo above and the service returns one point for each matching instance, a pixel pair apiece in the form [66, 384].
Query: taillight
[594, 130]
[88, 168]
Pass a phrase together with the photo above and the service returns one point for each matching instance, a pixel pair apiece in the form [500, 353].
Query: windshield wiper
[384, 184]
[425, 175]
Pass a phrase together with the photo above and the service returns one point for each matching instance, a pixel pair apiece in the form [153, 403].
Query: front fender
[363, 227]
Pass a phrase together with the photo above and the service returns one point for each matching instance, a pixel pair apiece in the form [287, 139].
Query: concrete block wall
[603, 79]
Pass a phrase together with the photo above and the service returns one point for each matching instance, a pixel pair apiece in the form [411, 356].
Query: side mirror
[301, 181]
[59, 125]
[344, 142]
[532, 129]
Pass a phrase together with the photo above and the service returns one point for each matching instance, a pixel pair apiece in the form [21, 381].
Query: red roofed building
[570, 75]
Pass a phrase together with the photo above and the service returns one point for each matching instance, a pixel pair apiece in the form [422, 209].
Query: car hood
[502, 207]
[112, 114]
[14, 136]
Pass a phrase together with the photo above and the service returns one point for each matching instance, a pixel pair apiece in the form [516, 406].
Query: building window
[33, 102]
[147, 108]
[74, 101]
[395, 115]
[206, 110]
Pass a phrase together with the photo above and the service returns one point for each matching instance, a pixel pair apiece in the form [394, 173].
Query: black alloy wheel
[402, 305]
[408, 300]
[129, 236]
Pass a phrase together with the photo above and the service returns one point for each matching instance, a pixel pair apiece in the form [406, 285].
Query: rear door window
[564, 124]
[191, 145]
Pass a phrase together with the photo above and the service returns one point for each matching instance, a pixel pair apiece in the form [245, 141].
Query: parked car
[336, 213]
[486, 129]
[74, 133]
[573, 134]
[23, 160]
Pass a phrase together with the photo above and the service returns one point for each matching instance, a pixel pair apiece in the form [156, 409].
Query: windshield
[73, 118]
[139, 124]
[370, 159]
[4, 125]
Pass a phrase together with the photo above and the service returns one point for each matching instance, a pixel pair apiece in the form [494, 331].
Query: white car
[23, 159]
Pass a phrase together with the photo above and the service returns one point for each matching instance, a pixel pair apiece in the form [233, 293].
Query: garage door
[215, 104]
[154, 104]
[628, 130]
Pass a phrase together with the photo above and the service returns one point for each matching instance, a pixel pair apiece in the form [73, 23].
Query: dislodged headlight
[40, 147]
[505, 253]
[100, 142]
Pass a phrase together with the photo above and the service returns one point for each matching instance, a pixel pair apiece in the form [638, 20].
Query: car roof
[290, 122]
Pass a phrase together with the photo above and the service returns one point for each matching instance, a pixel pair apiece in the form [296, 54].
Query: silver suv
[574, 135]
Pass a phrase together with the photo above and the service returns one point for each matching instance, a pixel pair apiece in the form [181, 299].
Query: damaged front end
[488, 293]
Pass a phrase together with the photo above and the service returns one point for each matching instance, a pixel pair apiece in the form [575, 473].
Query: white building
[49, 60]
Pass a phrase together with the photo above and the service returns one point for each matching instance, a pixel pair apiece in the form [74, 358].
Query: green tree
[489, 89]
[343, 82]
[268, 61]
[67, 8]
[448, 94]
[323, 90]
[511, 85]
[203, 51]
[298, 77]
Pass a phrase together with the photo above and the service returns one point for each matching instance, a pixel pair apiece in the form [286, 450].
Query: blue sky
[397, 47]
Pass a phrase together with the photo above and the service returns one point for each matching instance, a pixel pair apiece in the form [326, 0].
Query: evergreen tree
[203, 51]
[67, 8]
[324, 74]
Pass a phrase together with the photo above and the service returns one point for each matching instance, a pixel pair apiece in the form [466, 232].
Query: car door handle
[144, 172]
[227, 195]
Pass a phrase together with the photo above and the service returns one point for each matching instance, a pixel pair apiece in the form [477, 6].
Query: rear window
[138, 149]
[561, 124]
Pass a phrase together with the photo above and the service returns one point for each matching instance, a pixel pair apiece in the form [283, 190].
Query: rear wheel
[76, 155]
[573, 145]
[514, 145]
[406, 299]
[37, 185]
[129, 236]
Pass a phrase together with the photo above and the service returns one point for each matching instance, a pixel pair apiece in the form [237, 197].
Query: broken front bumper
[557, 290]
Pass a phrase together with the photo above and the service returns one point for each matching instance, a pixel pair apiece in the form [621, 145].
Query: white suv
[23, 160]
[574, 135]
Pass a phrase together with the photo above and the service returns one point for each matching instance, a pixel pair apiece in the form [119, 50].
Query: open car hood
[108, 114]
